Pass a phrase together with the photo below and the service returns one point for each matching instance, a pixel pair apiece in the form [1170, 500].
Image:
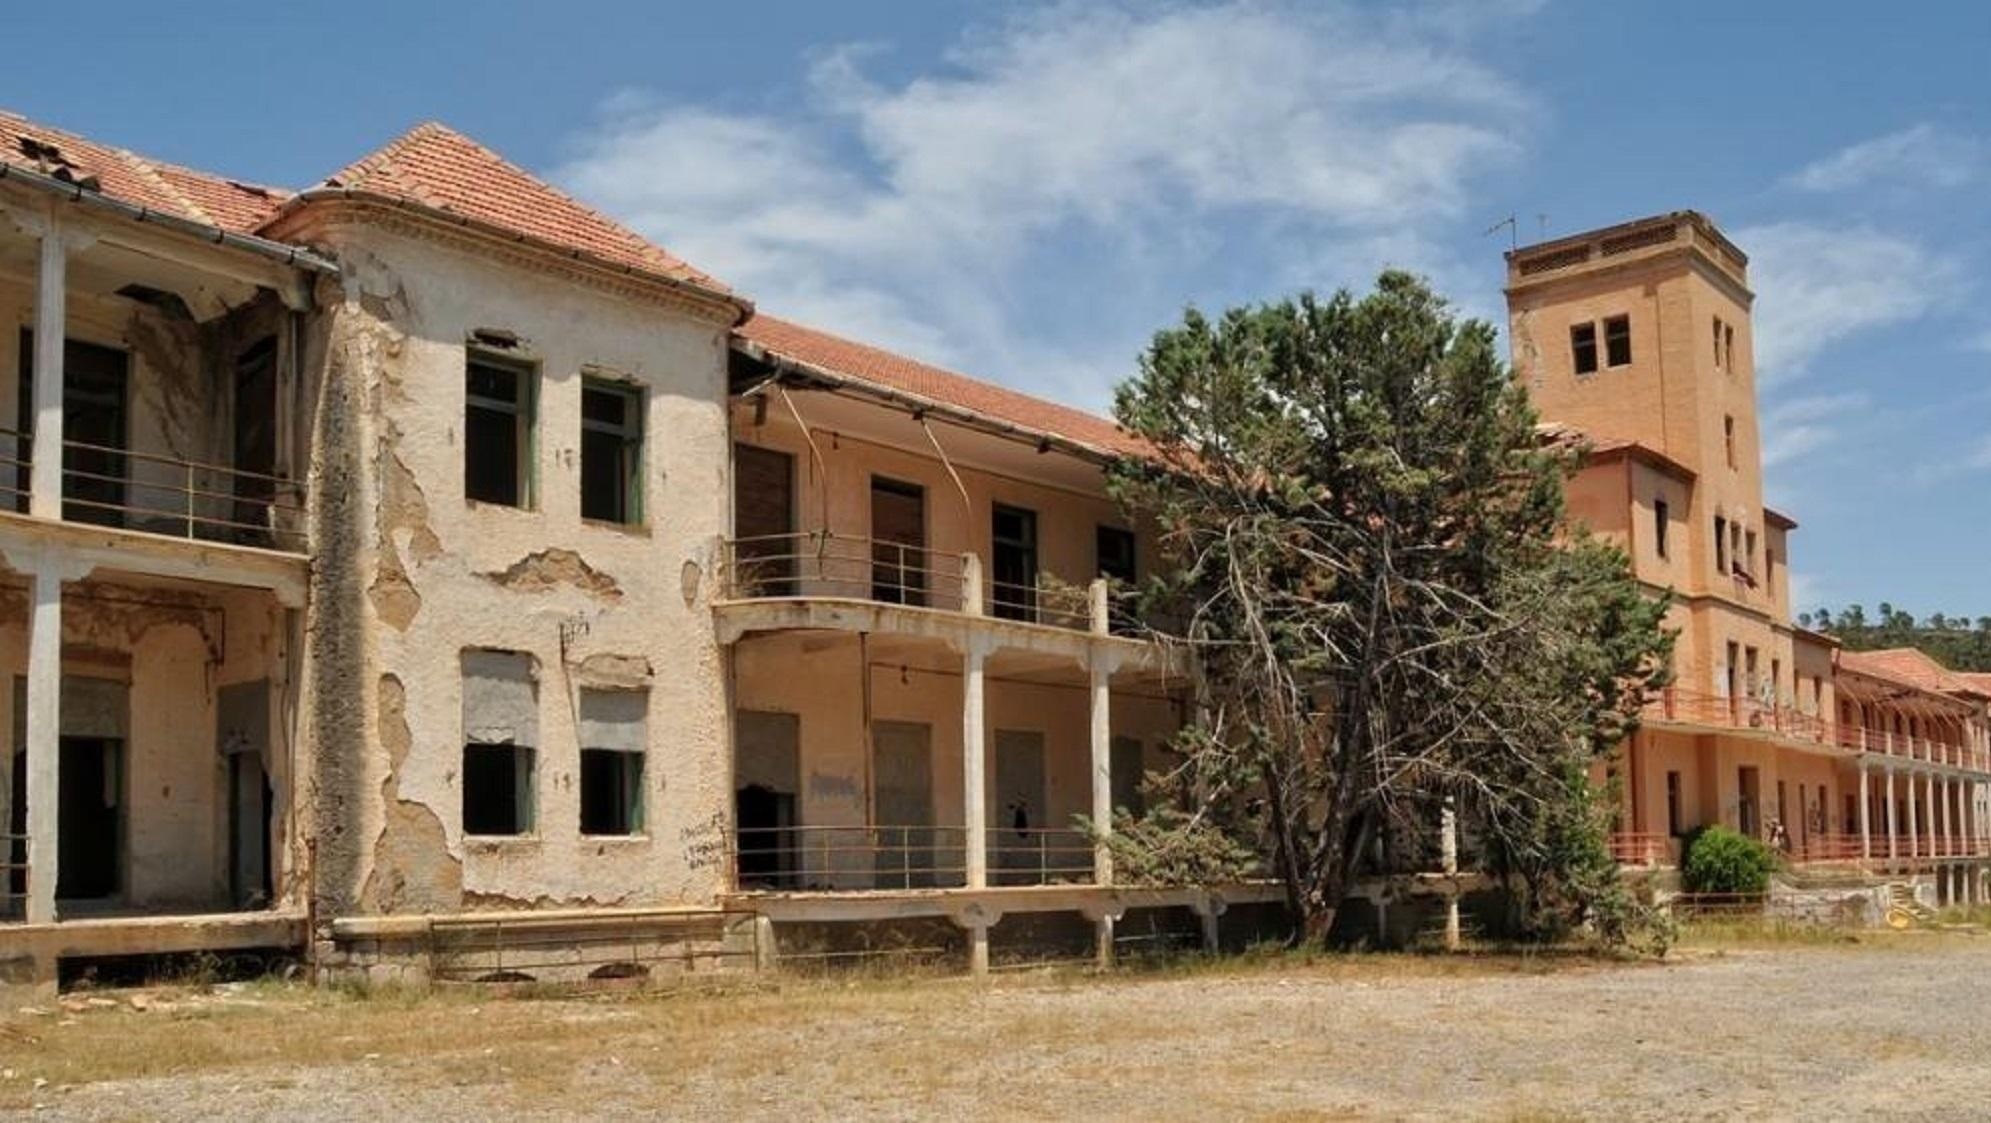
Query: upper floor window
[1728, 347]
[1583, 346]
[1661, 517]
[1013, 538]
[1728, 439]
[1618, 341]
[1115, 547]
[611, 451]
[497, 429]
[1721, 545]
[1717, 343]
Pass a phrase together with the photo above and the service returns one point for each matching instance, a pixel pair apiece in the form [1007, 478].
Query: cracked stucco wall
[408, 574]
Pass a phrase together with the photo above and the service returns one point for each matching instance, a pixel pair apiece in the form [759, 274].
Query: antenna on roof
[1513, 231]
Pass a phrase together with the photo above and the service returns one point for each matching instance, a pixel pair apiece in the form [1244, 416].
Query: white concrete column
[1102, 790]
[1893, 826]
[974, 755]
[44, 747]
[1914, 818]
[1940, 789]
[51, 329]
[1102, 766]
[1866, 808]
[1448, 857]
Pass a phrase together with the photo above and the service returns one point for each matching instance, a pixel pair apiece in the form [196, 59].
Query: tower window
[1728, 439]
[1618, 341]
[1717, 343]
[1728, 346]
[1583, 345]
[1661, 516]
[1721, 545]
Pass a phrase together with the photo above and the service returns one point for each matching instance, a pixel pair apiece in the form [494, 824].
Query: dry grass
[1271, 1034]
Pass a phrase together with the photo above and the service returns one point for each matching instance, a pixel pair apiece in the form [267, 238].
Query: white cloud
[1819, 285]
[1798, 426]
[1921, 155]
[1080, 150]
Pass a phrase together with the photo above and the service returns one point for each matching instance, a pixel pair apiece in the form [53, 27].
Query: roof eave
[281, 252]
[919, 404]
[742, 307]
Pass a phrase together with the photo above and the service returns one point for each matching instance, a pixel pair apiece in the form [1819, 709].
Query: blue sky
[1026, 191]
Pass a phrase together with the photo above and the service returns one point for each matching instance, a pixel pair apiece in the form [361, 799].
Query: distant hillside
[1958, 642]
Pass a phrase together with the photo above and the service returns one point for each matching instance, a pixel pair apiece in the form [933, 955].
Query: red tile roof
[1978, 681]
[864, 363]
[1608, 448]
[1907, 666]
[126, 176]
[436, 167]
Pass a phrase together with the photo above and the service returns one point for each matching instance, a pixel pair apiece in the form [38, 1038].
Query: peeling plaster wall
[828, 703]
[408, 574]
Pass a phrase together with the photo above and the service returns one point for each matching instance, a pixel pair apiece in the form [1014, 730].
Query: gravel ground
[1901, 1030]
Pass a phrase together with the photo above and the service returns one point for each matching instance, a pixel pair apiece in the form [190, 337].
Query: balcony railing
[1634, 848]
[1674, 704]
[144, 491]
[824, 564]
[842, 858]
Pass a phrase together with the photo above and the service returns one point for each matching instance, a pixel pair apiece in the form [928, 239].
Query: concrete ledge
[152, 935]
[737, 618]
[90, 548]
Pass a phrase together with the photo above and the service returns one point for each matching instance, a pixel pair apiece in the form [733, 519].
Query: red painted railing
[1674, 704]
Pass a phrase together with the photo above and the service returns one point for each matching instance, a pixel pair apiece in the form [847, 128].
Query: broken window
[1115, 547]
[1583, 346]
[613, 741]
[611, 451]
[1661, 517]
[1013, 534]
[1618, 341]
[497, 430]
[500, 735]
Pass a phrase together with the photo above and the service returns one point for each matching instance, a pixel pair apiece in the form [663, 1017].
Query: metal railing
[1674, 704]
[819, 563]
[1636, 848]
[822, 564]
[846, 858]
[181, 498]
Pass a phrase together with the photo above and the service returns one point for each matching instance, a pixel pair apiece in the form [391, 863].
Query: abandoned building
[424, 570]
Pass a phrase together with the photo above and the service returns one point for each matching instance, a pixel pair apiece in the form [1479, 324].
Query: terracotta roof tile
[436, 167]
[128, 177]
[1906, 666]
[865, 363]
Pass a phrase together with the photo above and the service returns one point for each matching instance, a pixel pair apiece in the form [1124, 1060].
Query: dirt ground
[1889, 1027]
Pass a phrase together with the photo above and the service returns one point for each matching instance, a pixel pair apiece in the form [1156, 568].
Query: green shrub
[1720, 860]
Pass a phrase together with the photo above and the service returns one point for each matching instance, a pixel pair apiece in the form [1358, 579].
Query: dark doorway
[249, 800]
[255, 483]
[763, 521]
[94, 467]
[765, 819]
[898, 542]
[1013, 582]
[90, 818]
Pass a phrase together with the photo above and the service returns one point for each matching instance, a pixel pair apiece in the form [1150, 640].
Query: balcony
[1675, 706]
[124, 489]
[826, 565]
